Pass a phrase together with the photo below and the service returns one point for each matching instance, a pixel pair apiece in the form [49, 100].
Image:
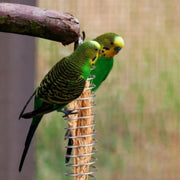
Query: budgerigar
[111, 44]
[62, 84]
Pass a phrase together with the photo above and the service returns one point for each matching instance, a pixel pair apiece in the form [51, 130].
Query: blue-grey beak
[117, 48]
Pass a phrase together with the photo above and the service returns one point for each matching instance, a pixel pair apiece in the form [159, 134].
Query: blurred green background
[138, 107]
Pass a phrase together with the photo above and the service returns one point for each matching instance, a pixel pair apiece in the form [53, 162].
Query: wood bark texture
[34, 21]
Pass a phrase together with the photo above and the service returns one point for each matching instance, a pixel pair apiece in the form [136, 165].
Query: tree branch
[33, 21]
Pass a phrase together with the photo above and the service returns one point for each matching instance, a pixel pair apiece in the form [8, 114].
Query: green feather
[101, 73]
[86, 70]
[109, 43]
[63, 83]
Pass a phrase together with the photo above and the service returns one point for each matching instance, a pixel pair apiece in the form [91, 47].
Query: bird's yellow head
[111, 44]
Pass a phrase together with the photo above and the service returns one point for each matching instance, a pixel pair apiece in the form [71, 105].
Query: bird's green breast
[86, 70]
[103, 68]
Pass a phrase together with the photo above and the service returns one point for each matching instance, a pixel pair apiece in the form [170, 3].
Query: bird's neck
[86, 69]
[83, 64]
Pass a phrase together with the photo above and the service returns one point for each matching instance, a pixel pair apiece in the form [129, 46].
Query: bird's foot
[68, 112]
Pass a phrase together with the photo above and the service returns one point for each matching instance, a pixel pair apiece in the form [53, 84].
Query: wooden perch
[33, 21]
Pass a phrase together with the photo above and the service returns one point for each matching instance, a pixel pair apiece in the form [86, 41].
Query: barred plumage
[111, 44]
[64, 83]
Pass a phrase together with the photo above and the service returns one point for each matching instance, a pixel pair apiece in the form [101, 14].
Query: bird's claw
[68, 112]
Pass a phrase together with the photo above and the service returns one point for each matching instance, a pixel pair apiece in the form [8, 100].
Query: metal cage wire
[92, 167]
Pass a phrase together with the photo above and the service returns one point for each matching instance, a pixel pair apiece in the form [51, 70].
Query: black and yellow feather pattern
[62, 84]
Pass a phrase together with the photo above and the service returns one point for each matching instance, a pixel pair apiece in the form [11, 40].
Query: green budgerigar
[62, 84]
[111, 44]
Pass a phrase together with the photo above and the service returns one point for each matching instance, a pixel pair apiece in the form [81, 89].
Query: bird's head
[90, 50]
[111, 44]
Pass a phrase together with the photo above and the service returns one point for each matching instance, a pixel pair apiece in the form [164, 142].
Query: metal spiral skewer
[73, 121]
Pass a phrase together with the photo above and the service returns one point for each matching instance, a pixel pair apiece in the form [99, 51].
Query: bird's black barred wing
[62, 84]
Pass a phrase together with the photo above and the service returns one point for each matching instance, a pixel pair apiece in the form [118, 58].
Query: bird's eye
[96, 49]
[112, 43]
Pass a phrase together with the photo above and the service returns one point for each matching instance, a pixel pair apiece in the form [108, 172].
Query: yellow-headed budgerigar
[111, 44]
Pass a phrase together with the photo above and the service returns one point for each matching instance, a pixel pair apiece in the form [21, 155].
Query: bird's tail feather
[41, 108]
[26, 104]
[30, 134]
[44, 109]
[69, 150]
